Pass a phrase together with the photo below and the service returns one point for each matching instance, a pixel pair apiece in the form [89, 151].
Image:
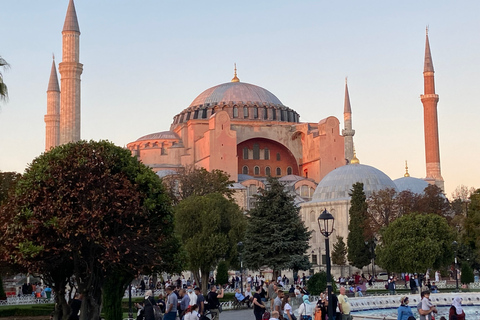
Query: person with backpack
[305, 310]
[214, 303]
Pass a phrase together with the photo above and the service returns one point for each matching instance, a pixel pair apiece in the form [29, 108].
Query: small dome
[337, 184]
[236, 92]
[412, 184]
[164, 135]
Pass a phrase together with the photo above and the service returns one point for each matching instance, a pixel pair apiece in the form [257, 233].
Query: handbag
[318, 315]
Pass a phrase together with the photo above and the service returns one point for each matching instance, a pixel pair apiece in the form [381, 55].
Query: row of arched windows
[268, 171]
[257, 151]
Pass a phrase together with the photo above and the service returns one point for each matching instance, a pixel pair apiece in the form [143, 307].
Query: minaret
[348, 132]
[430, 100]
[52, 118]
[70, 70]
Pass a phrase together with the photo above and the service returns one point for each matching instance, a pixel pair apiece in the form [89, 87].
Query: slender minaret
[52, 118]
[348, 132]
[70, 70]
[430, 100]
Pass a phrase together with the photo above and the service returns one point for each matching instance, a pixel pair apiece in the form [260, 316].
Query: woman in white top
[305, 310]
[191, 313]
[287, 308]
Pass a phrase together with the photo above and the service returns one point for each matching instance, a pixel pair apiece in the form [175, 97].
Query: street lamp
[325, 224]
[130, 313]
[240, 247]
[455, 245]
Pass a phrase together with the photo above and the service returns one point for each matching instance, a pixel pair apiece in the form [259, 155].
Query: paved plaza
[237, 314]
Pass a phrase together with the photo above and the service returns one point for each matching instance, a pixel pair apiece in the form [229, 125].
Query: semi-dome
[237, 92]
[337, 184]
[412, 184]
[164, 135]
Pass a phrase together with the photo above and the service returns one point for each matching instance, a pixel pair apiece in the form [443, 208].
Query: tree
[339, 252]
[407, 202]
[382, 209]
[276, 236]
[471, 234]
[359, 254]
[317, 283]
[92, 211]
[3, 86]
[415, 243]
[434, 201]
[199, 182]
[467, 274]
[222, 273]
[7, 182]
[209, 227]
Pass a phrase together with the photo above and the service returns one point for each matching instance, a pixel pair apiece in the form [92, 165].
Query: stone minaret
[52, 118]
[430, 100]
[348, 132]
[70, 70]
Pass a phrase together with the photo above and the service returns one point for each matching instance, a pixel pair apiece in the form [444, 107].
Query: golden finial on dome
[354, 159]
[235, 78]
[406, 170]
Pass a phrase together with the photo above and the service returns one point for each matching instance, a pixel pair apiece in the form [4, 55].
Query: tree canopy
[339, 252]
[415, 243]
[89, 210]
[359, 253]
[7, 182]
[3, 86]
[209, 226]
[276, 236]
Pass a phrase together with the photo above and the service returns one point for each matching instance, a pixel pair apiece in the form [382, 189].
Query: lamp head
[325, 223]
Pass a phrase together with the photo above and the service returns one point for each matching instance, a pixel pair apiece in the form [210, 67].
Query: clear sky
[145, 61]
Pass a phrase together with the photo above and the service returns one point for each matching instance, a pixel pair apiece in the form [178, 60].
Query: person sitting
[241, 298]
[433, 288]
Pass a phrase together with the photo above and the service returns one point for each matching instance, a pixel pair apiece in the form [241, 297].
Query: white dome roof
[412, 184]
[337, 184]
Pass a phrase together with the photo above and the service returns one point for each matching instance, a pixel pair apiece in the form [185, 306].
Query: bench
[238, 304]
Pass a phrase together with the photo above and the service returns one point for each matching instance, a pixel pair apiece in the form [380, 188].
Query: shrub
[222, 273]
[467, 274]
[318, 283]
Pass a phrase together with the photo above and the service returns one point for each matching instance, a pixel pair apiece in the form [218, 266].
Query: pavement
[237, 314]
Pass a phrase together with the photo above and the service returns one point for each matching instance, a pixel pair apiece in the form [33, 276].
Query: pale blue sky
[145, 61]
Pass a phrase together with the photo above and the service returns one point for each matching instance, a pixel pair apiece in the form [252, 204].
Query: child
[274, 315]
[427, 304]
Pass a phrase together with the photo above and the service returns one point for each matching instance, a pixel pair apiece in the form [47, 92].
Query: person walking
[305, 310]
[404, 311]
[148, 305]
[456, 311]
[172, 301]
[258, 305]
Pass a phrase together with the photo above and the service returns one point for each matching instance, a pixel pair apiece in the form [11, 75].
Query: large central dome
[237, 92]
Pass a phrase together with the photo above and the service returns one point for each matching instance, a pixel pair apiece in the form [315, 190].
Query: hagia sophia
[246, 131]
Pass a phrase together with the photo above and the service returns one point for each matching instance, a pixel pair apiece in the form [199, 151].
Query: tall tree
[382, 209]
[199, 182]
[407, 202]
[471, 234]
[3, 87]
[339, 252]
[276, 236]
[434, 201]
[209, 227]
[89, 210]
[415, 243]
[359, 253]
[7, 182]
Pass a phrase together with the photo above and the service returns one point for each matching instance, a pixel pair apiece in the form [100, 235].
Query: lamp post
[325, 224]
[240, 247]
[455, 245]
[130, 313]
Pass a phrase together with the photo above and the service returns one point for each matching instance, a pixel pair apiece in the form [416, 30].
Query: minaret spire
[429, 100]
[235, 78]
[52, 118]
[70, 70]
[348, 132]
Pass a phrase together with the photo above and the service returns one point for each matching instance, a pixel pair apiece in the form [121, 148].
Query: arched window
[274, 114]
[265, 113]
[278, 156]
[289, 170]
[245, 112]
[188, 117]
[279, 172]
[256, 170]
[255, 112]
[245, 170]
[256, 151]
[235, 112]
[195, 114]
[267, 171]
[245, 153]
[266, 154]
[204, 113]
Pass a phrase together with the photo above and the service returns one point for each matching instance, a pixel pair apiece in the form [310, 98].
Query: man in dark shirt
[200, 301]
[213, 302]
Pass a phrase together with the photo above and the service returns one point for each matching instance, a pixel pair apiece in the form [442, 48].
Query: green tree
[318, 283]
[415, 243]
[3, 87]
[467, 274]
[222, 273]
[339, 252]
[209, 227]
[276, 236]
[471, 235]
[198, 181]
[359, 254]
[382, 209]
[92, 211]
[7, 182]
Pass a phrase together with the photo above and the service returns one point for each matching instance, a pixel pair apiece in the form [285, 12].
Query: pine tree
[467, 274]
[276, 236]
[339, 253]
[359, 254]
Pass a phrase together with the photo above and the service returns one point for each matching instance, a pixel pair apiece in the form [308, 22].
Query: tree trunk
[196, 277]
[112, 293]
[204, 287]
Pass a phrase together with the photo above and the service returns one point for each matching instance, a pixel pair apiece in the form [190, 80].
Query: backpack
[266, 315]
